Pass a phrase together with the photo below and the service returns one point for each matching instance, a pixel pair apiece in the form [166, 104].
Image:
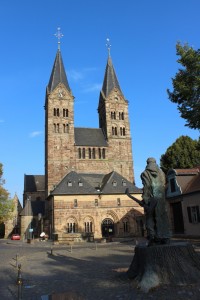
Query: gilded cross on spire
[59, 35]
[108, 45]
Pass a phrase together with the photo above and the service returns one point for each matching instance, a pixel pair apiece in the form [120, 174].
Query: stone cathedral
[87, 170]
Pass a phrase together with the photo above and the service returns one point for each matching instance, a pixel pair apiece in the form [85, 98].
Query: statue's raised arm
[133, 198]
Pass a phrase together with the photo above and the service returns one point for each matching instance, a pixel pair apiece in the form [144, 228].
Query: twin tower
[85, 150]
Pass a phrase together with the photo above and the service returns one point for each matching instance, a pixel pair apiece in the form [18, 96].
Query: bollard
[19, 282]
[16, 260]
[51, 250]
[96, 246]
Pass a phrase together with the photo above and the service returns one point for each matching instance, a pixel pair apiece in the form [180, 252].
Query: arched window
[121, 131]
[124, 133]
[79, 153]
[93, 153]
[72, 226]
[99, 153]
[88, 224]
[64, 128]
[57, 112]
[122, 116]
[126, 225]
[89, 153]
[54, 112]
[54, 127]
[65, 112]
[104, 153]
[67, 128]
[58, 129]
[115, 130]
[83, 153]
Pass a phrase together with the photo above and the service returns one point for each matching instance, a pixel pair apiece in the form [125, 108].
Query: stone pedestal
[176, 263]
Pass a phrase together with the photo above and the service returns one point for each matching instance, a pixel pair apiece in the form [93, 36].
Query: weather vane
[59, 35]
[108, 45]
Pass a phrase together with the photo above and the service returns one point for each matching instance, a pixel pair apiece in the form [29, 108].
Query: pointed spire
[58, 74]
[110, 79]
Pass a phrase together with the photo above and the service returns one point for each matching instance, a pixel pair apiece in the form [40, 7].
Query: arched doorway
[107, 227]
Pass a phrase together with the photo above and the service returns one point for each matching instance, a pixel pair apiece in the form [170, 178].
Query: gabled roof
[89, 137]
[88, 183]
[193, 185]
[58, 74]
[187, 179]
[34, 183]
[114, 183]
[110, 79]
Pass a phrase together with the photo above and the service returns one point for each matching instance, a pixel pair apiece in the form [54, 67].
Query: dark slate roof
[34, 183]
[58, 74]
[33, 208]
[110, 79]
[89, 137]
[88, 183]
[114, 183]
[73, 183]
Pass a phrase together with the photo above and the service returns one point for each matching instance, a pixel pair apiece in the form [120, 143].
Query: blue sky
[143, 35]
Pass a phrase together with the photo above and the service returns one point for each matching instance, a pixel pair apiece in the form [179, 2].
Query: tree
[186, 85]
[183, 153]
[6, 204]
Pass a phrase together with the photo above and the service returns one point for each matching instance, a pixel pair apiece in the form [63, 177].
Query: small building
[183, 196]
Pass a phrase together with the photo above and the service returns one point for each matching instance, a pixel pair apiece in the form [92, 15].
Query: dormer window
[80, 183]
[123, 182]
[69, 183]
[114, 183]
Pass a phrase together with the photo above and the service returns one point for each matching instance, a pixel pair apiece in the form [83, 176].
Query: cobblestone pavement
[89, 271]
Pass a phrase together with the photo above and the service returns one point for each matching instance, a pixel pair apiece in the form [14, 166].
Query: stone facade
[92, 214]
[63, 153]
[100, 159]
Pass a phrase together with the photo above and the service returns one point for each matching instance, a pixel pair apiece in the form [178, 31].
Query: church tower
[114, 122]
[59, 125]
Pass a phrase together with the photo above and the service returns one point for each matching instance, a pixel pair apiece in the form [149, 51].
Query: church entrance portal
[107, 228]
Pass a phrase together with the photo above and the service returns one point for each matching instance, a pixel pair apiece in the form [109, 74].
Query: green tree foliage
[183, 153]
[6, 204]
[186, 85]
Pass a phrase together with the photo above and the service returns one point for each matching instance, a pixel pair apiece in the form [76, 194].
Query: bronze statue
[153, 201]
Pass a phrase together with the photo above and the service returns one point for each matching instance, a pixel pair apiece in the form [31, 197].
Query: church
[87, 170]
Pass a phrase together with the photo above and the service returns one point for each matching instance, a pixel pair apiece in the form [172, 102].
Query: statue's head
[151, 160]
